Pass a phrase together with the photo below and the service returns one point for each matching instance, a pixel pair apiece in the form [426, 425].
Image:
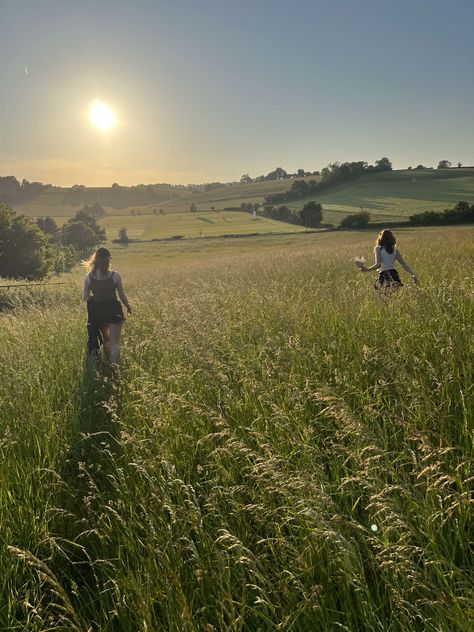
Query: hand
[415, 279]
[129, 309]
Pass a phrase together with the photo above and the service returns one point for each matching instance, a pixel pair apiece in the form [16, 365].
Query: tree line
[461, 213]
[333, 174]
[310, 215]
[34, 250]
[14, 192]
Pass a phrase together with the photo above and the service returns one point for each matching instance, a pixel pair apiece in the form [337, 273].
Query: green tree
[25, 251]
[311, 214]
[95, 210]
[82, 232]
[47, 225]
[444, 164]
[123, 237]
[356, 220]
[384, 164]
[277, 174]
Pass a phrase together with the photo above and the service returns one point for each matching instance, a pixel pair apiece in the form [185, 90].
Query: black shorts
[388, 279]
[105, 312]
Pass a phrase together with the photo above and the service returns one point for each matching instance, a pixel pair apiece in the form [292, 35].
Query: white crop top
[388, 259]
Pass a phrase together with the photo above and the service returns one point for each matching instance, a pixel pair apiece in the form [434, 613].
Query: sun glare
[102, 116]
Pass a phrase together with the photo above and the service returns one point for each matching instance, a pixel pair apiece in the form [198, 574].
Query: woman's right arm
[377, 264]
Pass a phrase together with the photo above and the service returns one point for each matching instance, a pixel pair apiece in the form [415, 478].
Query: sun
[102, 116]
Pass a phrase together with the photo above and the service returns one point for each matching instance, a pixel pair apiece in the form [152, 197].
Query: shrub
[356, 220]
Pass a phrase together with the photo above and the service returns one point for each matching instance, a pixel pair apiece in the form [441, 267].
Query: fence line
[2, 287]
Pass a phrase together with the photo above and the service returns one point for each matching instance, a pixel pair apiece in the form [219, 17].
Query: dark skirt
[388, 280]
[105, 312]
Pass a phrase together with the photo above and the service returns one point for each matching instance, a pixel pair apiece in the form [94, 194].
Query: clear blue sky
[207, 90]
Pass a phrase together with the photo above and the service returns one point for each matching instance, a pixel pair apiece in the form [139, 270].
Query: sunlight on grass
[282, 450]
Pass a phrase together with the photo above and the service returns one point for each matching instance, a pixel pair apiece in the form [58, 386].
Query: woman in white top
[386, 254]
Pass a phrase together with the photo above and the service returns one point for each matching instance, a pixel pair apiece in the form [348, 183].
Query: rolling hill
[388, 196]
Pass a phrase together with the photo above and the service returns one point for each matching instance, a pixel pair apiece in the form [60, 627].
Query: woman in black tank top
[105, 314]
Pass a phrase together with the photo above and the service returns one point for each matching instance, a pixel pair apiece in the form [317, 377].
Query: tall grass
[282, 448]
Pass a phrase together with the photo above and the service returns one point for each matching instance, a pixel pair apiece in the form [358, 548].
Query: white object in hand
[359, 261]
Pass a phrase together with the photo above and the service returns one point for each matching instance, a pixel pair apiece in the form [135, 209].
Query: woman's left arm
[405, 266]
[120, 290]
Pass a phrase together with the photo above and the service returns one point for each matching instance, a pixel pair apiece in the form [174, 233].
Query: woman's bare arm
[120, 290]
[376, 265]
[405, 266]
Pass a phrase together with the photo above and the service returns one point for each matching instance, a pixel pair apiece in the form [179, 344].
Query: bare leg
[115, 343]
[106, 340]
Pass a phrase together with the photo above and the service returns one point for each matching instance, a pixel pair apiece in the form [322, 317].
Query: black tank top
[103, 289]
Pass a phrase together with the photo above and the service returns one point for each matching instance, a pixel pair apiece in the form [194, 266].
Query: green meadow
[198, 224]
[201, 224]
[282, 448]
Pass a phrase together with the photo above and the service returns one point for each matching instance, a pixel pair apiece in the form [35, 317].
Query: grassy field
[195, 225]
[201, 224]
[282, 449]
[387, 196]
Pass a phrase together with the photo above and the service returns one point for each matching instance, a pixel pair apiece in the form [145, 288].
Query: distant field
[193, 225]
[387, 196]
[211, 224]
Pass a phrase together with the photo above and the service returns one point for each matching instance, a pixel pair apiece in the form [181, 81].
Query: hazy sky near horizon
[206, 90]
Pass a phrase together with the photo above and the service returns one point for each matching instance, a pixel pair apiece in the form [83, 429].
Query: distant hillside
[394, 195]
[64, 202]
[388, 195]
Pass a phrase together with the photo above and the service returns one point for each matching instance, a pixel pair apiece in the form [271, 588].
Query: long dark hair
[386, 239]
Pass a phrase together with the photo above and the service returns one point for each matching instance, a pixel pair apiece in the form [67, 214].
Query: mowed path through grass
[283, 449]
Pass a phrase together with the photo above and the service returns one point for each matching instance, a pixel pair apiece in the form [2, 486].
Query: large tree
[82, 232]
[25, 251]
[311, 214]
[245, 179]
[384, 164]
[47, 225]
